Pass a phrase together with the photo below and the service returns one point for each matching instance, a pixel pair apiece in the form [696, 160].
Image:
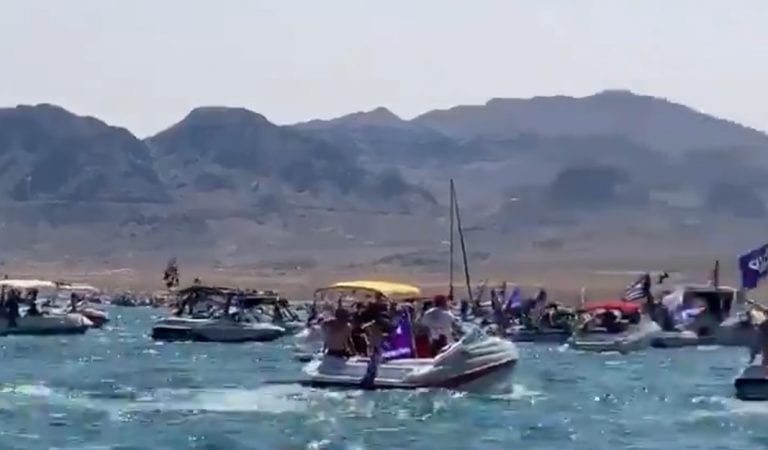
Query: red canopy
[622, 306]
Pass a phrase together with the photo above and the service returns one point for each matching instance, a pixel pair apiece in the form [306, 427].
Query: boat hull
[542, 336]
[752, 384]
[198, 330]
[97, 317]
[734, 332]
[45, 325]
[679, 339]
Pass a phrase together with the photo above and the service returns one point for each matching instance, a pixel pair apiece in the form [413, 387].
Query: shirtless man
[338, 333]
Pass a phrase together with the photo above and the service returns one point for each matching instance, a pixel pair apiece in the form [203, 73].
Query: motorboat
[55, 298]
[752, 383]
[210, 318]
[474, 358]
[693, 315]
[214, 330]
[269, 305]
[552, 324]
[614, 326]
[79, 301]
[40, 325]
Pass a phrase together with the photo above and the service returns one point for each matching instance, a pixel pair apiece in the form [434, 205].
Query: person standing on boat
[338, 334]
[760, 343]
[440, 322]
[12, 303]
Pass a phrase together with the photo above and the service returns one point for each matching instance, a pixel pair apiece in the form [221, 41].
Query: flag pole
[716, 274]
[461, 241]
[452, 213]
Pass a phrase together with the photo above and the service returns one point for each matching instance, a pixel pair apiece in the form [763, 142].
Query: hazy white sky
[144, 64]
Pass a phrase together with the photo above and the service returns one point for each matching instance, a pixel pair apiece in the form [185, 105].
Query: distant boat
[635, 331]
[216, 323]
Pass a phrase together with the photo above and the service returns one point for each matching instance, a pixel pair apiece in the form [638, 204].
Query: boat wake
[717, 407]
[519, 393]
[278, 399]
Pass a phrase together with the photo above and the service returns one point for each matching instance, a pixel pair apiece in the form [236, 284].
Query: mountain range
[370, 175]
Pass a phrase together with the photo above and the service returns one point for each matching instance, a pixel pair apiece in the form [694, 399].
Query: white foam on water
[727, 407]
[319, 445]
[271, 399]
[519, 392]
[277, 399]
[707, 348]
[29, 390]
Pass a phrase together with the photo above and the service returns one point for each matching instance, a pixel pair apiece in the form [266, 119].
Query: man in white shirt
[440, 322]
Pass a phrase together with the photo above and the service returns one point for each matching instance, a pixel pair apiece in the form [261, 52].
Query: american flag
[639, 290]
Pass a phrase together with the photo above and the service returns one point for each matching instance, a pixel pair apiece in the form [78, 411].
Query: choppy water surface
[117, 389]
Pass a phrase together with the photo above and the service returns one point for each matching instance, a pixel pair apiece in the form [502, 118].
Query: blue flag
[753, 267]
[515, 299]
[399, 344]
[686, 316]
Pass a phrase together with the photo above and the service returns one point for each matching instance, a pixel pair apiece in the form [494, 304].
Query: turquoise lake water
[117, 389]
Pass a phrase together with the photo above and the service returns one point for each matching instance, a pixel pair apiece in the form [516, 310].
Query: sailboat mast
[450, 285]
[461, 240]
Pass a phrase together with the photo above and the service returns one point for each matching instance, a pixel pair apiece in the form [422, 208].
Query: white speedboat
[214, 330]
[595, 336]
[752, 384]
[474, 357]
[46, 325]
[637, 337]
[97, 317]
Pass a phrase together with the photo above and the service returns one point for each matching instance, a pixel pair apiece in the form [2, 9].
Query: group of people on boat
[12, 299]
[360, 330]
[234, 305]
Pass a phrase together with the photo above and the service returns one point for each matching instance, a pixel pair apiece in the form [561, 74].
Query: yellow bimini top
[392, 291]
